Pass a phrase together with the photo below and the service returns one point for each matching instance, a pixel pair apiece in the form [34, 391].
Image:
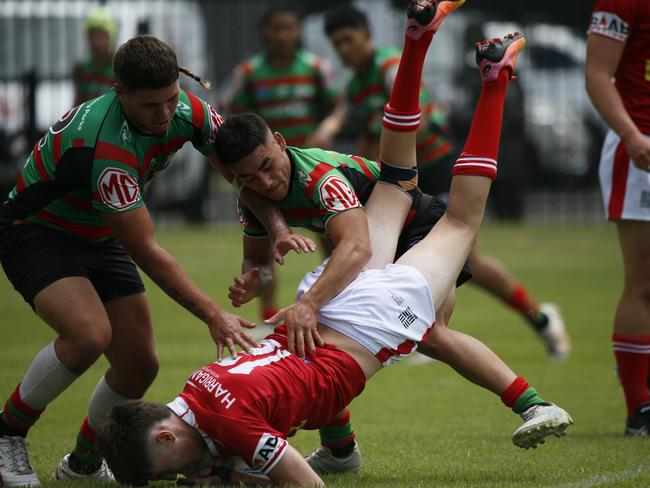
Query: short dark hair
[278, 9]
[344, 17]
[145, 63]
[122, 439]
[239, 136]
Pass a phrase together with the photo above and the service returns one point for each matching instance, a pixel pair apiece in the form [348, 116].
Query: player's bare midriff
[366, 360]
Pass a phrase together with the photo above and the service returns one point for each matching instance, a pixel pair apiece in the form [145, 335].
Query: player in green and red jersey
[368, 89]
[94, 75]
[70, 233]
[291, 88]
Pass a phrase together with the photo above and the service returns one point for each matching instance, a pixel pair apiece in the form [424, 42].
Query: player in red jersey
[71, 233]
[248, 406]
[618, 47]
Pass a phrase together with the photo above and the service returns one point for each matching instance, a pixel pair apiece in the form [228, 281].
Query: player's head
[101, 29]
[256, 155]
[349, 33]
[280, 27]
[144, 441]
[146, 74]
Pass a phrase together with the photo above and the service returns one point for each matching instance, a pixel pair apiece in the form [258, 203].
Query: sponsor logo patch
[65, 120]
[337, 195]
[268, 451]
[118, 189]
[407, 317]
[610, 25]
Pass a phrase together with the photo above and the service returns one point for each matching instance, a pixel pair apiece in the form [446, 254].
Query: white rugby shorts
[388, 311]
[625, 188]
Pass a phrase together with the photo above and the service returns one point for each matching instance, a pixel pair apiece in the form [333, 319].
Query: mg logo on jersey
[118, 189]
[337, 195]
[182, 107]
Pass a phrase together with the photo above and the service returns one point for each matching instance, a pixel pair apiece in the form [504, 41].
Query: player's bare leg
[389, 203]
[73, 309]
[631, 337]
[441, 254]
[133, 366]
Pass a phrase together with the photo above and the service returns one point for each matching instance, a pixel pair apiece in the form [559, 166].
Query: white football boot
[65, 472]
[555, 335]
[323, 461]
[540, 421]
[15, 466]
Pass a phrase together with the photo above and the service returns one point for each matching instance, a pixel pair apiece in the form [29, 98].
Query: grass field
[417, 425]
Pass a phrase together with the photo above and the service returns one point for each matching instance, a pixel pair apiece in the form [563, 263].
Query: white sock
[45, 379]
[103, 399]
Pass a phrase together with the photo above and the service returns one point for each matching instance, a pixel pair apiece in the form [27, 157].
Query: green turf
[417, 425]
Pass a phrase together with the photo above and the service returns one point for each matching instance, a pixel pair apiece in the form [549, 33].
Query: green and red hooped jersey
[368, 93]
[323, 184]
[292, 100]
[92, 80]
[93, 160]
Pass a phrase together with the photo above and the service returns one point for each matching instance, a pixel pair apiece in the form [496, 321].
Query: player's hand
[638, 149]
[226, 331]
[291, 242]
[302, 328]
[245, 287]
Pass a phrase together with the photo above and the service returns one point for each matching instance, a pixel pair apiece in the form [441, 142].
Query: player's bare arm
[283, 238]
[603, 57]
[257, 271]
[293, 470]
[349, 233]
[134, 230]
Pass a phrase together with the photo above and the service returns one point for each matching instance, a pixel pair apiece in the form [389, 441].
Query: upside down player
[248, 406]
[71, 232]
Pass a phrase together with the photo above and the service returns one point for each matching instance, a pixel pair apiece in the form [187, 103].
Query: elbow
[362, 251]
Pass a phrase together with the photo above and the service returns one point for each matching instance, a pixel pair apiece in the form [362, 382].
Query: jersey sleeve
[334, 194]
[613, 19]
[250, 223]
[114, 183]
[206, 122]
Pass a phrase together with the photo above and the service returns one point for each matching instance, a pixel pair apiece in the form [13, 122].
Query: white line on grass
[607, 478]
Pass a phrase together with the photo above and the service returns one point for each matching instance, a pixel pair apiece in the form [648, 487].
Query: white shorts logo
[118, 189]
[337, 195]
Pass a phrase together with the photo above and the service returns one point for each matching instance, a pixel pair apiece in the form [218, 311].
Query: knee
[90, 337]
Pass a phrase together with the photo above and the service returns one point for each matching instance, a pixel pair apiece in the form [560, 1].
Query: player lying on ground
[324, 191]
[248, 406]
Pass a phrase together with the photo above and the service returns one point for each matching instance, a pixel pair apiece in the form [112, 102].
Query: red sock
[482, 146]
[510, 396]
[17, 417]
[521, 301]
[405, 96]
[633, 361]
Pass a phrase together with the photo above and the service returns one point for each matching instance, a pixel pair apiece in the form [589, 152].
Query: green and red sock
[17, 417]
[85, 458]
[338, 436]
[520, 396]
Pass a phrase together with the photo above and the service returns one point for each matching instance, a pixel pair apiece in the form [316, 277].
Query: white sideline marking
[607, 478]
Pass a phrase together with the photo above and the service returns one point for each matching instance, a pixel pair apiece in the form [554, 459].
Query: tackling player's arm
[283, 238]
[603, 57]
[257, 271]
[134, 229]
[349, 233]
